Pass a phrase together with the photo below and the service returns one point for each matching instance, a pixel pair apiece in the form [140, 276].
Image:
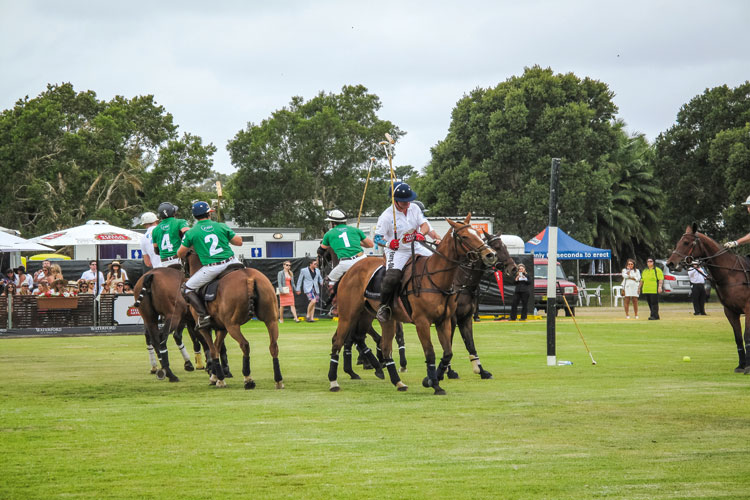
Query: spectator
[285, 281]
[631, 278]
[119, 288]
[83, 287]
[43, 272]
[60, 289]
[116, 274]
[9, 276]
[22, 277]
[309, 282]
[127, 289]
[522, 293]
[10, 289]
[43, 288]
[55, 273]
[25, 289]
[91, 275]
[698, 289]
[651, 286]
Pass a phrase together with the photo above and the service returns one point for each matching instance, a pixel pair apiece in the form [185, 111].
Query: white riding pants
[206, 274]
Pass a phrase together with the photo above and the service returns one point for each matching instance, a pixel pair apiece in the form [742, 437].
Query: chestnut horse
[428, 284]
[241, 294]
[730, 275]
[467, 281]
[158, 294]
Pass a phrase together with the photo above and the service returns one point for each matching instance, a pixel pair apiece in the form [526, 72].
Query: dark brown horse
[730, 275]
[158, 294]
[241, 294]
[428, 286]
[467, 281]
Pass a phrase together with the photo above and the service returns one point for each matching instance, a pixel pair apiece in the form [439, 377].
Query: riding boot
[332, 302]
[388, 290]
[204, 320]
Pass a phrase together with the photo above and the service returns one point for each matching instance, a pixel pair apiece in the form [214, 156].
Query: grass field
[82, 418]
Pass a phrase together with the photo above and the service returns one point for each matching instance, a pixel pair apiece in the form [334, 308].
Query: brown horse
[467, 281]
[428, 286]
[158, 294]
[730, 275]
[241, 294]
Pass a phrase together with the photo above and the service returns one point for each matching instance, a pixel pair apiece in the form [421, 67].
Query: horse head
[504, 261]
[689, 248]
[470, 244]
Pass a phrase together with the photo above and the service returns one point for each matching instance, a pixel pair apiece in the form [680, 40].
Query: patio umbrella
[12, 243]
[94, 232]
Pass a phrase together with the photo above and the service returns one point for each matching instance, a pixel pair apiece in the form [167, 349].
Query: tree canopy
[703, 164]
[310, 157]
[69, 157]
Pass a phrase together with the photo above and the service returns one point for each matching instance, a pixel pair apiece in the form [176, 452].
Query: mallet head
[390, 139]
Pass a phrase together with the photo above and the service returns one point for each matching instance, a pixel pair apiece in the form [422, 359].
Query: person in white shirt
[90, 275]
[411, 226]
[698, 289]
[149, 221]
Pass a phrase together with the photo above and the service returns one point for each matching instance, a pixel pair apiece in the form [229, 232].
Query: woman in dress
[631, 278]
[284, 279]
[116, 274]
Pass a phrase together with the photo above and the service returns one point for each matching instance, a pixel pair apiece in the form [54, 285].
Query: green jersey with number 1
[210, 240]
[166, 235]
[345, 240]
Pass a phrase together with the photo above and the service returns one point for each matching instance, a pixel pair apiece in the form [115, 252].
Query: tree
[702, 166]
[72, 157]
[496, 157]
[310, 157]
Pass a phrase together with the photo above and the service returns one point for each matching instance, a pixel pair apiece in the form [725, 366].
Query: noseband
[472, 254]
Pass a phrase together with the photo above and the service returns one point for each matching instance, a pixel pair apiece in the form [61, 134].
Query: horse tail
[250, 296]
[145, 289]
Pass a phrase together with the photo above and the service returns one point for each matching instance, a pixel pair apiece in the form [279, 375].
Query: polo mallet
[362, 203]
[579, 330]
[388, 146]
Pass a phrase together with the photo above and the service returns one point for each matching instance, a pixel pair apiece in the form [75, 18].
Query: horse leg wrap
[183, 351]
[277, 371]
[246, 366]
[402, 356]
[164, 358]
[369, 356]
[348, 360]
[218, 370]
[333, 368]
[151, 355]
[444, 365]
[392, 372]
[431, 379]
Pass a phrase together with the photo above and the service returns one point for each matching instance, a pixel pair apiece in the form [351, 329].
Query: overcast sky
[218, 65]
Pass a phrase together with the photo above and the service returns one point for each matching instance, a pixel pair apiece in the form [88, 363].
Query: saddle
[372, 291]
[208, 291]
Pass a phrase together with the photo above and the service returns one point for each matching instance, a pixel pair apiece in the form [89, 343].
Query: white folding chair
[616, 294]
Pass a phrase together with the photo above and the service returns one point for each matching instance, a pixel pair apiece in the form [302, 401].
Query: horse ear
[467, 219]
[453, 224]
[695, 227]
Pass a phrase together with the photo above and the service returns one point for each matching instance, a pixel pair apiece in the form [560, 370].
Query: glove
[418, 236]
[393, 245]
[730, 244]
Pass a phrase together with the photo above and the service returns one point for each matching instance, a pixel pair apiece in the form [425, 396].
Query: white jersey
[406, 226]
[147, 248]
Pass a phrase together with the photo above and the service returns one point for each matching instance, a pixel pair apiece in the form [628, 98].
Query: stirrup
[384, 313]
[204, 321]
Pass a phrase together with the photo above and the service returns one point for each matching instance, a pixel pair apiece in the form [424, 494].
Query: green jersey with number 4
[210, 240]
[166, 235]
[345, 240]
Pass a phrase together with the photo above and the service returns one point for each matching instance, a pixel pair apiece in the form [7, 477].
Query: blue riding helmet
[201, 208]
[403, 192]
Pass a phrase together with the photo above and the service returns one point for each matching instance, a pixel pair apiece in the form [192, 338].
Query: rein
[688, 259]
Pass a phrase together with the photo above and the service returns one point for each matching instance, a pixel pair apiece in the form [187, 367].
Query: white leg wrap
[185, 355]
[334, 384]
[151, 355]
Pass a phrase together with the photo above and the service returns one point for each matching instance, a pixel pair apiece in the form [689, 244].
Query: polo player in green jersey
[210, 240]
[167, 234]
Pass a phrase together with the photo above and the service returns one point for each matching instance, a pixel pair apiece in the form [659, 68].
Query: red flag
[499, 279]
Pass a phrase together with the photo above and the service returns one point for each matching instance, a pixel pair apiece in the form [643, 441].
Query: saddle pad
[373, 286]
[208, 291]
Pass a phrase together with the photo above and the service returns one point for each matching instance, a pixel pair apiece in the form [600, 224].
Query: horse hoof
[354, 376]
[402, 369]
[485, 375]
[747, 370]
[426, 382]
[366, 366]
[221, 384]
[153, 370]
[174, 378]
[739, 369]
[250, 384]
[189, 366]
[161, 374]
[379, 374]
[335, 386]
[439, 391]
[200, 366]
[401, 387]
[279, 385]
[453, 375]
[227, 373]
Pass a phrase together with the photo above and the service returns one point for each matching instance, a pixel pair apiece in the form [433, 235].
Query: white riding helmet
[336, 215]
[747, 201]
[148, 218]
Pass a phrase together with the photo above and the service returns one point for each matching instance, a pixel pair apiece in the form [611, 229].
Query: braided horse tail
[251, 297]
[145, 289]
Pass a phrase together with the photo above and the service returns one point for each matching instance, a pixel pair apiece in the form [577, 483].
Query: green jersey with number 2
[166, 235]
[210, 240]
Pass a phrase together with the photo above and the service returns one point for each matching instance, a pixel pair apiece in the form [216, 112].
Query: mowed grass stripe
[82, 418]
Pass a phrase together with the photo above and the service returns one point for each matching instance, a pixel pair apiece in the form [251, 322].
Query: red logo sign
[112, 237]
[53, 236]
[133, 311]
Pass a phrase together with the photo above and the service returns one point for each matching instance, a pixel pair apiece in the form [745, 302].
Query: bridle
[706, 262]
